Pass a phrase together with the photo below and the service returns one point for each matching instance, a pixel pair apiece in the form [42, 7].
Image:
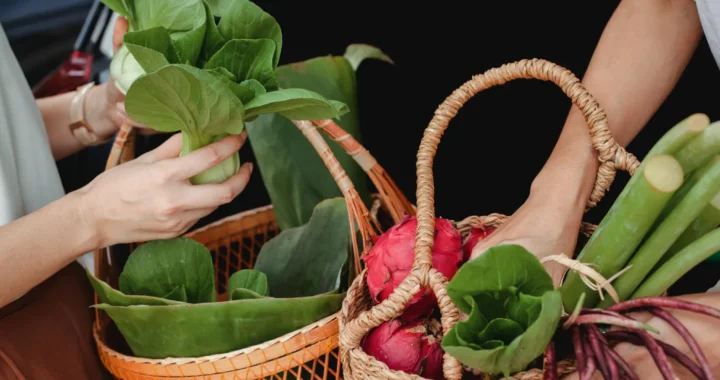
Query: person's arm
[145, 199]
[55, 111]
[641, 54]
[639, 59]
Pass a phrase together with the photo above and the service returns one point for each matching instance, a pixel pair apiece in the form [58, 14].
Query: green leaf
[294, 175]
[256, 87]
[194, 330]
[213, 39]
[524, 309]
[504, 330]
[114, 297]
[219, 7]
[244, 294]
[180, 97]
[307, 260]
[221, 71]
[177, 294]
[509, 280]
[118, 6]
[158, 267]
[151, 48]
[497, 269]
[247, 59]
[186, 19]
[250, 279]
[356, 53]
[295, 104]
[245, 20]
[525, 348]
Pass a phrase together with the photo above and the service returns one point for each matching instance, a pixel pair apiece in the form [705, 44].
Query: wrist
[76, 213]
[97, 110]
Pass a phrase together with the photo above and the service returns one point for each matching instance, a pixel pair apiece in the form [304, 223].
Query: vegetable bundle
[182, 71]
[166, 305]
[664, 223]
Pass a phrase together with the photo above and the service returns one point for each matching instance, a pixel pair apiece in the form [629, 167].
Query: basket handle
[611, 155]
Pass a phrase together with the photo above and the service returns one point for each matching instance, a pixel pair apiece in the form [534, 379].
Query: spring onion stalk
[680, 134]
[660, 240]
[691, 179]
[690, 256]
[700, 149]
[626, 223]
[708, 220]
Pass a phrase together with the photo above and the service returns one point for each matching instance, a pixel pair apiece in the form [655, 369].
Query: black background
[502, 137]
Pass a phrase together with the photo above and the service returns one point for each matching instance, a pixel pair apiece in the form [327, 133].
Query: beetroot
[412, 348]
[476, 234]
[392, 256]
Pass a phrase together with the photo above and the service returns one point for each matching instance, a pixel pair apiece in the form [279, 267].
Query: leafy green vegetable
[193, 330]
[250, 279]
[307, 260]
[157, 268]
[209, 71]
[295, 104]
[294, 175]
[513, 310]
[111, 296]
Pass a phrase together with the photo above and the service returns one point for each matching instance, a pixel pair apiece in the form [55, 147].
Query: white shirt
[709, 11]
[29, 178]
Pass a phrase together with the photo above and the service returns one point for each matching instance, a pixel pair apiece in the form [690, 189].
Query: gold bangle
[79, 127]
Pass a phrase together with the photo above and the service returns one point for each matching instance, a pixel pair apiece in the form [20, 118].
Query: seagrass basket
[359, 315]
[234, 242]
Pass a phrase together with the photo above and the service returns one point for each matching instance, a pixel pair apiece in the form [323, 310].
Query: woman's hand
[151, 197]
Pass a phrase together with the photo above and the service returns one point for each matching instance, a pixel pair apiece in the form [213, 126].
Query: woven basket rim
[211, 358]
[230, 218]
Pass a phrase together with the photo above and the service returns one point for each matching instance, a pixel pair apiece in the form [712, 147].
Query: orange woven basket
[308, 353]
[359, 315]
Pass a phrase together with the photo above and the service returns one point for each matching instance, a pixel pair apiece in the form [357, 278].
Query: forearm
[55, 111]
[36, 246]
[641, 54]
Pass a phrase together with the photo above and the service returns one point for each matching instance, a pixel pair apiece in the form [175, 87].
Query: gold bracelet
[79, 127]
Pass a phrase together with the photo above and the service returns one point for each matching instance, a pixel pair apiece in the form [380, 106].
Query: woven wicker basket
[359, 315]
[308, 353]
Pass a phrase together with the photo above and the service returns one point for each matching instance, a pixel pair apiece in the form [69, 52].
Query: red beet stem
[598, 352]
[550, 365]
[621, 363]
[666, 302]
[658, 354]
[590, 361]
[689, 339]
[629, 337]
[603, 348]
[613, 320]
[578, 347]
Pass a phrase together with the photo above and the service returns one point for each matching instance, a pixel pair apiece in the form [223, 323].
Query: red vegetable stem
[603, 348]
[667, 303]
[590, 362]
[598, 352]
[629, 337]
[578, 347]
[621, 363]
[658, 354]
[613, 320]
[549, 365]
[689, 339]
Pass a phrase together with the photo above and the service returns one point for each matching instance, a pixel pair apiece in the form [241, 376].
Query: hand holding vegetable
[152, 198]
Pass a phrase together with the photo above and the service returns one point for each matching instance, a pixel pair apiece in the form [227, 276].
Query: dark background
[500, 139]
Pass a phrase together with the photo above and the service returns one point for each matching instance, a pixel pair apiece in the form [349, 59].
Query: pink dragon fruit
[476, 234]
[413, 348]
[392, 256]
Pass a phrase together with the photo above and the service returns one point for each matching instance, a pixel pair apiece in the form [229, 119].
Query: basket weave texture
[359, 314]
[234, 242]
